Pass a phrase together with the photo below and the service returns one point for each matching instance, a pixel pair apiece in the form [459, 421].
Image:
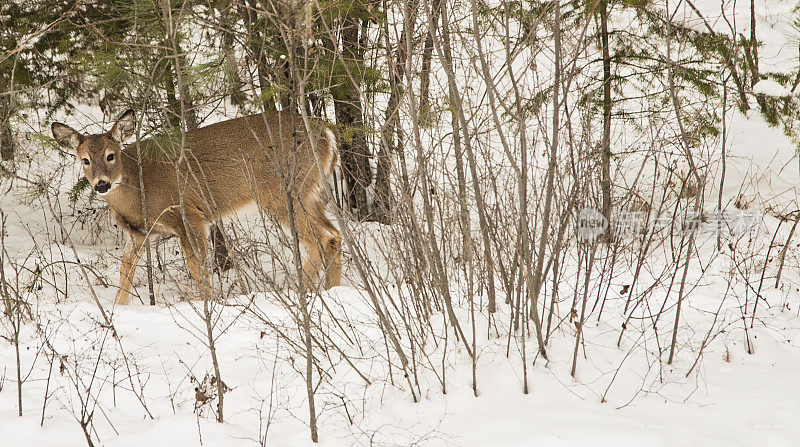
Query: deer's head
[100, 153]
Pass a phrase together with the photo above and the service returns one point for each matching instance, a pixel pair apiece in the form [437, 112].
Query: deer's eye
[86, 161]
[110, 157]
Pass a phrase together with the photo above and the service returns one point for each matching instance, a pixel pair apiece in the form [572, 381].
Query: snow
[141, 387]
[778, 51]
[762, 166]
[770, 88]
[732, 398]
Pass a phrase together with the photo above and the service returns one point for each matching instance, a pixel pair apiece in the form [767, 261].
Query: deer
[267, 159]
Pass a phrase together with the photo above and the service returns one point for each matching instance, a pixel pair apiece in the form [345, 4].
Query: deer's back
[227, 165]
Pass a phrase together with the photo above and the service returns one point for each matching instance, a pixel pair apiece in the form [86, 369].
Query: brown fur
[224, 167]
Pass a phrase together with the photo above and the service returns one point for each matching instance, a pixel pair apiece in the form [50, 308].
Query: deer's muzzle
[102, 186]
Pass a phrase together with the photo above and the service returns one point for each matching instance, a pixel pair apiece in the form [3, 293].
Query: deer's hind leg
[333, 250]
[320, 238]
[323, 242]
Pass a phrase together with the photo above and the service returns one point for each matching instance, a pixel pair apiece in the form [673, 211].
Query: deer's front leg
[130, 257]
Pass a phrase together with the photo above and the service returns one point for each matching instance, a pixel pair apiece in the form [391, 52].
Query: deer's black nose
[102, 186]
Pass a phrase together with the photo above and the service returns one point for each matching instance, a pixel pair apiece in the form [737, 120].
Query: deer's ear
[124, 127]
[66, 136]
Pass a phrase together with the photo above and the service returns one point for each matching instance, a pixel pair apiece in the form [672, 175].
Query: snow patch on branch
[770, 88]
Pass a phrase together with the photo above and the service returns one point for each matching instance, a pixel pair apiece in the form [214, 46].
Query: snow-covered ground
[730, 398]
[142, 387]
[143, 380]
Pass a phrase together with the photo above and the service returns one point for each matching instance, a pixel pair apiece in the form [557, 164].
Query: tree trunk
[255, 47]
[237, 95]
[391, 137]
[751, 51]
[427, 54]
[606, 149]
[753, 43]
[353, 146]
[6, 141]
[7, 106]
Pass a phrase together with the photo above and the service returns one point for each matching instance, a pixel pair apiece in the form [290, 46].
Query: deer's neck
[126, 201]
